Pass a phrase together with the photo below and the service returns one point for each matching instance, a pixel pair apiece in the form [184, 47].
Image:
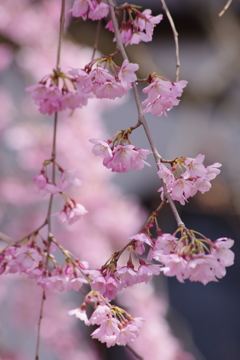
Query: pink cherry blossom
[110, 90]
[195, 167]
[99, 284]
[28, 257]
[43, 186]
[138, 162]
[80, 314]
[71, 212]
[80, 8]
[68, 178]
[89, 9]
[162, 96]
[127, 276]
[194, 177]
[107, 332]
[99, 12]
[102, 149]
[175, 265]
[165, 173]
[146, 271]
[127, 74]
[222, 253]
[200, 269]
[99, 315]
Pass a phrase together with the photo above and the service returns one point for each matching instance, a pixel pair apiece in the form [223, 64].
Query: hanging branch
[175, 35]
[49, 213]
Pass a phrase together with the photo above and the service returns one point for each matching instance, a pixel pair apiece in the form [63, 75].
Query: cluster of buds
[194, 176]
[119, 157]
[136, 26]
[117, 327]
[72, 211]
[162, 95]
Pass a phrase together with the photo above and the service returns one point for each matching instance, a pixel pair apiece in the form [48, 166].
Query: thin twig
[9, 240]
[175, 35]
[5, 238]
[95, 46]
[225, 8]
[39, 324]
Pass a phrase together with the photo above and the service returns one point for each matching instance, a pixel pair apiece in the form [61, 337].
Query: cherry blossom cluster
[90, 9]
[99, 82]
[28, 258]
[189, 257]
[83, 84]
[20, 259]
[136, 26]
[72, 211]
[66, 277]
[162, 95]
[119, 157]
[187, 176]
[117, 327]
[112, 278]
[58, 92]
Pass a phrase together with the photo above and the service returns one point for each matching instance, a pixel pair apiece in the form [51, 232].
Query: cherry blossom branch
[225, 8]
[175, 35]
[48, 219]
[96, 39]
[141, 118]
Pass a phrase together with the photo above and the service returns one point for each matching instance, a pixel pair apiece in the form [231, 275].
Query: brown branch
[175, 35]
[225, 8]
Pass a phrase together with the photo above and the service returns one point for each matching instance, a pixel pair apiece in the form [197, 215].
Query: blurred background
[205, 319]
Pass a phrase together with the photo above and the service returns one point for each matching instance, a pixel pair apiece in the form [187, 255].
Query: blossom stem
[175, 35]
